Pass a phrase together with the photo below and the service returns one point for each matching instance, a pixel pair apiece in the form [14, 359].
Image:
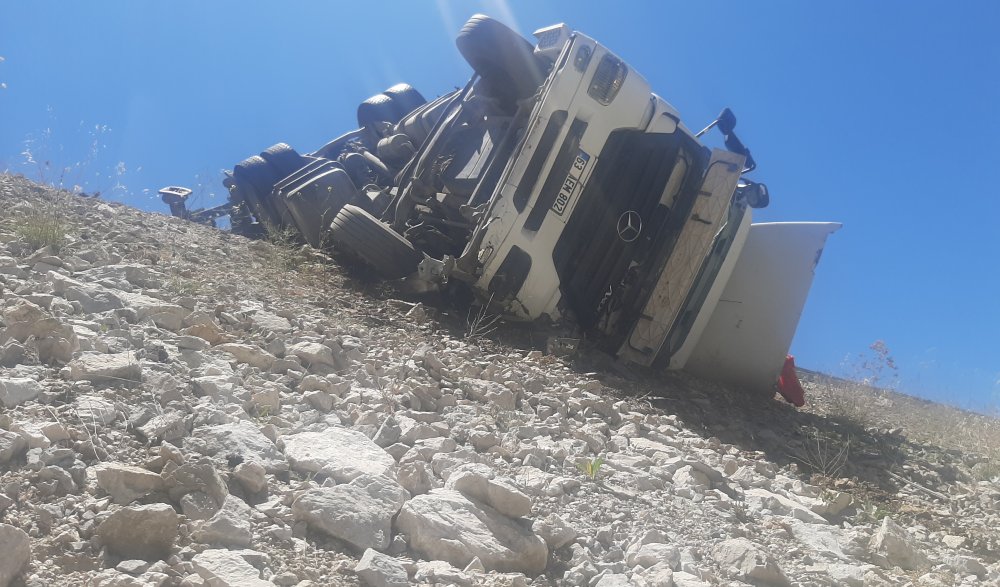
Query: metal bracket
[434, 271]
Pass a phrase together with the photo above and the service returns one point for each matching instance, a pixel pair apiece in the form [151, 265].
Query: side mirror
[726, 121]
[755, 195]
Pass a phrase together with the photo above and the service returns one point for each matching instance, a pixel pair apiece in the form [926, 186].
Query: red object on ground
[789, 386]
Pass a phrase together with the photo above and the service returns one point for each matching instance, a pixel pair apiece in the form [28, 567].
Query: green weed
[590, 467]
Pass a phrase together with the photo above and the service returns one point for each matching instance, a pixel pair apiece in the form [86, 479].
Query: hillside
[181, 406]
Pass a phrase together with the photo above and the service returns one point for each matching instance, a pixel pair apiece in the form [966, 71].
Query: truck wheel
[284, 159]
[500, 56]
[379, 108]
[256, 179]
[406, 97]
[357, 232]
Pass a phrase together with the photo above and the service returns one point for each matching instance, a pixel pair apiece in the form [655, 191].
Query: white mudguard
[748, 336]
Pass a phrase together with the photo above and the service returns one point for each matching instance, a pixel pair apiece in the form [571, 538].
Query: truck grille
[631, 174]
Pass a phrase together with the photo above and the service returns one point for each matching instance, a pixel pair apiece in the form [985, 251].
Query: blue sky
[882, 116]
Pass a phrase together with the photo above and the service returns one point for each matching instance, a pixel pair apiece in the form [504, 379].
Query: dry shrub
[864, 400]
[825, 453]
[41, 229]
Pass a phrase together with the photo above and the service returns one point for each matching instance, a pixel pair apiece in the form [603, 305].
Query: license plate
[571, 183]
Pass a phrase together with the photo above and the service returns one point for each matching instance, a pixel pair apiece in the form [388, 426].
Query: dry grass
[825, 453]
[921, 421]
[41, 229]
[288, 252]
[479, 323]
[868, 399]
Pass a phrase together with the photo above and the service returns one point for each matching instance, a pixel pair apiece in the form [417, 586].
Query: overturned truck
[555, 186]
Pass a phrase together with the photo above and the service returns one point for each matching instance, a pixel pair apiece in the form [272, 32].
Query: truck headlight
[608, 79]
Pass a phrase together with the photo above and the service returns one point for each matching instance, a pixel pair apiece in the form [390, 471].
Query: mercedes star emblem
[629, 226]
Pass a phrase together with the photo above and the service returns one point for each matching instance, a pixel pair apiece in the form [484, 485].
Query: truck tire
[357, 232]
[503, 58]
[256, 178]
[406, 97]
[284, 159]
[379, 108]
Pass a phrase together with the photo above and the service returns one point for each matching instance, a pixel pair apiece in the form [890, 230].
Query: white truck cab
[556, 186]
[610, 211]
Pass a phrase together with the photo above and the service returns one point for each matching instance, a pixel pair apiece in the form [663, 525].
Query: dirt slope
[179, 406]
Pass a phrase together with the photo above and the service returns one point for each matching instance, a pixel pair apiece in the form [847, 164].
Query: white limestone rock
[230, 526]
[192, 343]
[240, 439]
[339, 452]
[685, 579]
[359, 512]
[659, 575]
[445, 525]
[893, 546]
[649, 555]
[489, 392]
[16, 548]
[218, 387]
[500, 494]
[226, 568]
[272, 322]
[967, 565]
[320, 400]
[92, 298]
[379, 570]
[313, 353]
[125, 483]
[759, 498]
[747, 561]
[849, 574]
[164, 314]
[55, 340]
[613, 580]
[824, 539]
[94, 410]
[144, 532]
[98, 367]
[17, 390]
[441, 573]
[555, 531]
[247, 353]
[688, 476]
[12, 445]
[169, 426]
[207, 330]
[191, 477]
[251, 476]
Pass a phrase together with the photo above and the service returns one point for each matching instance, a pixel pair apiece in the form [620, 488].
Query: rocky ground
[179, 406]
